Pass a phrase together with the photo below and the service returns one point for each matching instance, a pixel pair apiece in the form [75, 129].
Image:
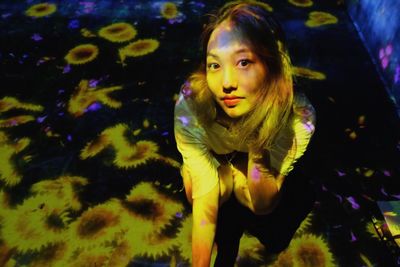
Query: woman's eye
[212, 66]
[244, 62]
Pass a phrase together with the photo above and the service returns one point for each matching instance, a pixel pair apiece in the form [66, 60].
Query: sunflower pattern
[89, 171]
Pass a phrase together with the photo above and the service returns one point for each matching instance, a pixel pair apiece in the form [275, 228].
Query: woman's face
[234, 72]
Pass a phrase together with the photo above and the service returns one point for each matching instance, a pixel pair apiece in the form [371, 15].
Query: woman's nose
[230, 81]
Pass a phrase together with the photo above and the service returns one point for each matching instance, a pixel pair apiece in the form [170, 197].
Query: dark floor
[89, 171]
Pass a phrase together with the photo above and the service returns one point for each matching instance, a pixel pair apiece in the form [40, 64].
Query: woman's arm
[205, 210]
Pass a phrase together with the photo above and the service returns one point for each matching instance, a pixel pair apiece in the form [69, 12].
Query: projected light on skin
[384, 55]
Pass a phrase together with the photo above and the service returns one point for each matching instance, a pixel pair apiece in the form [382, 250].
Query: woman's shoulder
[303, 109]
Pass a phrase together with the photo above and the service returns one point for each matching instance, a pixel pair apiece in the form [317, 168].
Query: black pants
[274, 230]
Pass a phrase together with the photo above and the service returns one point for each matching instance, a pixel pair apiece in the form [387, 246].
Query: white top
[196, 142]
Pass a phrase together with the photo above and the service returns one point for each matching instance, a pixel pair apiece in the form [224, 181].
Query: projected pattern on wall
[89, 172]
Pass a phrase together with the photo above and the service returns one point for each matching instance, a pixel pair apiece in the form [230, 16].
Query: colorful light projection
[118, 32]
[169, 10]
[377, 22]
[41, 10]
[301, 3]
[84, 96]
[82, 54]
[9, 149]
[308, 73]
[318, 19]
[127, 154]
[138, 48]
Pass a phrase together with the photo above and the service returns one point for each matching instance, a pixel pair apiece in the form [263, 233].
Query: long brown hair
[259, 127]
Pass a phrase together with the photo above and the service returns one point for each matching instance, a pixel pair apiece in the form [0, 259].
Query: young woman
[240, 127]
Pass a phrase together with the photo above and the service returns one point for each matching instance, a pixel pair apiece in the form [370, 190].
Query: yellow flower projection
[308, 73]
[301, 3]
[34, 224]
[8, 150]
[50, 256]
[15, 121]
[250, 248]
[184, 238]
[128, 155]
[82, 54]
[8, 102]
[41, 10]
[121, 255]
[64, 188]
[95, 257]
[149, 214]
[87, 33]
[169, 10]
[306, 250]
[305, 224]
[97, 226]
[318, 18]
[118, 32]
[84, 96]
[138, 48]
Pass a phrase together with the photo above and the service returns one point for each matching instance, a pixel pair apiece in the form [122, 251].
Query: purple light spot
[69, 138]
[179, 215]
[36, 37]
[339, 197]
[203, 222]
[385, 62]
[396, 196]
[5, 15]
[164, 134]
[61, 91]
[337, 226]
[387, 173]
[67, 69]
[353, 202]
[41, 119]
[255, 175]
[381, 53]
[93, 107]
[340, 173]
[73, 24]
[324, 188]
[397, 74]
[60, 113]
[184, 120]
[383, 191]
[93, 83]
[389, 49]
[353, 237]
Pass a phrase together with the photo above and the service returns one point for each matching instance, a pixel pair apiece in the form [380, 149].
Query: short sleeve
[293, 141]
[197, 157]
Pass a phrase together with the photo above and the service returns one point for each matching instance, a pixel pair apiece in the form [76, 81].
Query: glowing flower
[250, 248]
[138, 48]
[118, 32]
[309, 74]
[285, 259]
[310, 250]
[301, 3]
[149, 215]
[184, 238]
[127, 154]
[82, 54]
[87, 33]
[169, 10]
[8, 103]
[34, 225]
[8, 149]
[97, 226]
[121, 255]
[64, 188]
[84, 96]
[305, 224]
[50, 256]
[15, 121]
[41, 10]
[96, 256]
[317, 18]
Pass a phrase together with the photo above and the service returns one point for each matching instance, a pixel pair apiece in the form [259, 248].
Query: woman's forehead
[226, 35]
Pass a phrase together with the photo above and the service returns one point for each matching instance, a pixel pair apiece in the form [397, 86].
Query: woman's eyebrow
[238, 51]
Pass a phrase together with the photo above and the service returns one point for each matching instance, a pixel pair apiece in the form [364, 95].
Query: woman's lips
[231, 101]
